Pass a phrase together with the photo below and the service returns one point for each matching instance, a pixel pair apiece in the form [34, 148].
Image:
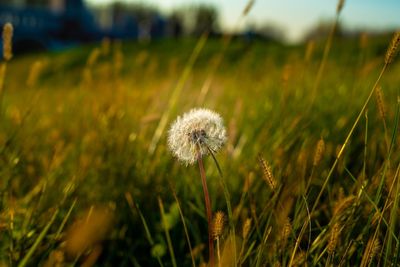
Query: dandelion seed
[199, 129]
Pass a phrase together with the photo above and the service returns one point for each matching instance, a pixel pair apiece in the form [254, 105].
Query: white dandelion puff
[197, 130]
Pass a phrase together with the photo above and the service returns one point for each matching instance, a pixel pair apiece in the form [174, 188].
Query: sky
[294, 17]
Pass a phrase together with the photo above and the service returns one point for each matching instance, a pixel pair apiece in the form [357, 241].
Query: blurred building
[48, 24]
[55, 24]
[131, 21]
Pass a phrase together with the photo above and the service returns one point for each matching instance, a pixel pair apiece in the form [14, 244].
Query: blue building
[51, 24]
[54, 24]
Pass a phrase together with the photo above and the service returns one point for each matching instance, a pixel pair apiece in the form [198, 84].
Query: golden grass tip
[246, 228]
[8, 30]
[268, 176]
[218, 224]
[392, 49]
[319, 151]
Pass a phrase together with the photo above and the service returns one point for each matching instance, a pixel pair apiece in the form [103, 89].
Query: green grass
[75, 151]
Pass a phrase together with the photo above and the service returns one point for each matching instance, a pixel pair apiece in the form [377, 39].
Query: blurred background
[56, 24]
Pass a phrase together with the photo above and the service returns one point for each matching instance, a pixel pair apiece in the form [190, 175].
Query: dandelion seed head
[199, 128]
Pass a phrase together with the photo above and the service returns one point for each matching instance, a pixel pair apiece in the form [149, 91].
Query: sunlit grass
[74, 148]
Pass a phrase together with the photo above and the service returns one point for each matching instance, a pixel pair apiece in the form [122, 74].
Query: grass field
[87, 178]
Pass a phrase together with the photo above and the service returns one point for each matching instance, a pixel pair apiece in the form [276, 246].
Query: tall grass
[299, 187]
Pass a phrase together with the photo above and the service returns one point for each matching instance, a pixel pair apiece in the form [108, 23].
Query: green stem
[25, 260]
[208, 207]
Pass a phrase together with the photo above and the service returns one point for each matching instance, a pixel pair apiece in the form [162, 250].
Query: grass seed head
[246, 228]
[392, 49]
[218, 224]
[344, 209]
[88, 231]
[339, 6]
[299, 258]
[267, 173]
[364, 38]
[34, 73]
[105, 46]
[7, 41]
[199, 129]
[333, 239]
[309, 50]
[371, 251]
[93, 57]
[286, 230]
[248, 7]
[319, 152]
[118, 60]
[380, 102]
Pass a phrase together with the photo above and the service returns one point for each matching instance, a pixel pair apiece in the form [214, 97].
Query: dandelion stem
[208, 207]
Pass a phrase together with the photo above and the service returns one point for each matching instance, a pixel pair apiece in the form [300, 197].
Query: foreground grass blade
[168, 237]
[39, 239]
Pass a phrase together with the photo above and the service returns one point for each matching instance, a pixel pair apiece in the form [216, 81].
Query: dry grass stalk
[391, 51]
[364, 40]
[248, 7]
[7, 41]
[380, 102]
[299, 259]
[376, 218]
[333, 239]
[344, 204]
[309, 50]
[105, 46]
[230, 252]
[246, 228]
[197, 250]
[269, 178]
[90, 63]
[371, 251]
[3, 69]
[343, 209]
[118, 59]
[34, 73]
[319, 151]
[56, 259]
[217, 229]
[339, 6]
[93, 256]
[93, 57]
[88, 231]
[286, 230]
[218, 224]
